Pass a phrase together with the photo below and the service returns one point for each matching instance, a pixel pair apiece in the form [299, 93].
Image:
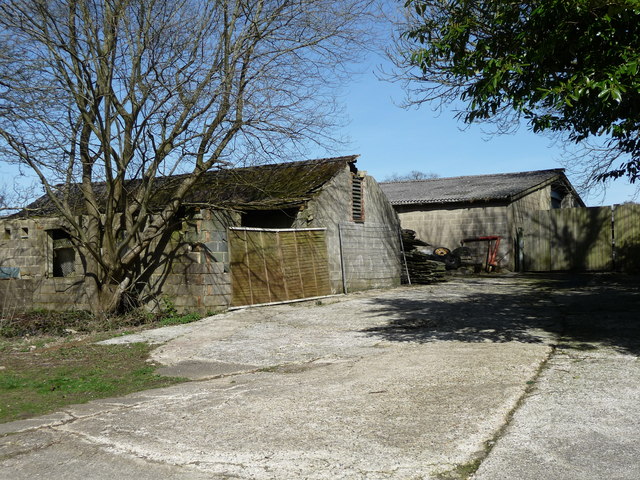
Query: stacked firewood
[421, 267]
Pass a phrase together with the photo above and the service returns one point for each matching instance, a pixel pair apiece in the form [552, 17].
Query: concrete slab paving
[581, 418]
[408, 383]
[580, 421]
[406, 413]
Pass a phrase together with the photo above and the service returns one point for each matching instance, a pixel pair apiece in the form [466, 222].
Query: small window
[7, 234]
[556, 199]
[25, 232]
[357, 199]
[64, 255]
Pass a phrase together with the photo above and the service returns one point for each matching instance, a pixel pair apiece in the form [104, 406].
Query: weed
[461, 472]
[270, 369]
[180, 319]
[168, 307]
[42, 381]
[66, 324]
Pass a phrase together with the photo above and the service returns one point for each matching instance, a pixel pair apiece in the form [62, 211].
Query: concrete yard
[515, 376]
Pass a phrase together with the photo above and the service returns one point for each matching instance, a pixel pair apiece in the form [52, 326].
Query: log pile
[421, 266]
[409, 240]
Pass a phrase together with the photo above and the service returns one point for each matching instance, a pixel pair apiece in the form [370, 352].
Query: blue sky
[391, 139]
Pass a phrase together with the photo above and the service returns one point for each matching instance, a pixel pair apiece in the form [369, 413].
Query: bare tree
[95, 93]
[412, 175]
[14, 198]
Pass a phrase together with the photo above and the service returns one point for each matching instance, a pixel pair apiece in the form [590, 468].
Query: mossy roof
[263, 187]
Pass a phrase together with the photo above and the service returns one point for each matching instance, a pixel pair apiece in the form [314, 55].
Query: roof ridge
[343, 158]
[426, 180]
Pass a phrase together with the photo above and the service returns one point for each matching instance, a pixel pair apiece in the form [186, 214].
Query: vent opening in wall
[357, 199]
[64, 255]
[556, 199]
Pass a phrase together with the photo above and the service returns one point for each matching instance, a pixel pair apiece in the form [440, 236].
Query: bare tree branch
[97, 93]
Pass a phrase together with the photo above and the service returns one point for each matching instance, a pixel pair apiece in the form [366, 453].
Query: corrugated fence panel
[627, 237]
[594, 246]
[277, 265]
[569, 239]
[537, 242]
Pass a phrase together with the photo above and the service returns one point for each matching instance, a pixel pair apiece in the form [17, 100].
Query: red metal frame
[492, 250]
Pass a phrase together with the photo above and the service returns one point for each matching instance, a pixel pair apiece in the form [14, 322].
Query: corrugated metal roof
[473, 188]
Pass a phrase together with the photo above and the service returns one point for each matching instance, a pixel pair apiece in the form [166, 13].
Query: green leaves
[568, 66]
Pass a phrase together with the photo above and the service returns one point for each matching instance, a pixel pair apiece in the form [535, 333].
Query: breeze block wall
[446, 226]
[189, 270]
[370, 248]
[26, 281]
[193, 272]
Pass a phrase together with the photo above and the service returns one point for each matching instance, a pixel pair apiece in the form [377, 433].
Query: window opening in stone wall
[25, 232]
[356, 199]
[64, 255]
[7, 234]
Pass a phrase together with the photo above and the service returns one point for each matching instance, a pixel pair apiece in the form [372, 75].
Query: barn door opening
[275, 265]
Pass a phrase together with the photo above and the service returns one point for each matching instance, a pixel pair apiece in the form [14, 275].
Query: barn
[446, 211]
[253, 235]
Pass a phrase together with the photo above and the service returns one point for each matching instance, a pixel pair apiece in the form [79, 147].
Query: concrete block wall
[447, 226]
[23, 245]
[371, 255]
[59, 294]
[332, 207]
[194, 273]
[520, 210]
[26, 248]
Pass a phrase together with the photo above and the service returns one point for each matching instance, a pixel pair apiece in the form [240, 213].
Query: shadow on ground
[571, 311]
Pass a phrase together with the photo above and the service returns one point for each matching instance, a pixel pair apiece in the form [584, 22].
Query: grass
[51, 360]
[40, 322]
[37, 380]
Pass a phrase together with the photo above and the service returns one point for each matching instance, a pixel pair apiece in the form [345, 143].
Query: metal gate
[274, 265]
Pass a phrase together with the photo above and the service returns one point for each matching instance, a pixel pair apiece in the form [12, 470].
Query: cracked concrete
[400, 384]
[580, 421]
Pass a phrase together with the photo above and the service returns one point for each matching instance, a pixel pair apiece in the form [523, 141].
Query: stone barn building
[445, 211]
[252, 235]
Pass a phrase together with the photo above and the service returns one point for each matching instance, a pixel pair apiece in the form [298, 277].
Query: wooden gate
[273, 265]
[569, 239]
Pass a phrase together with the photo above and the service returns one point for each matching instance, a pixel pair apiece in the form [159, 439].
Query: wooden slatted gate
[274, 265]
[583, 239]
